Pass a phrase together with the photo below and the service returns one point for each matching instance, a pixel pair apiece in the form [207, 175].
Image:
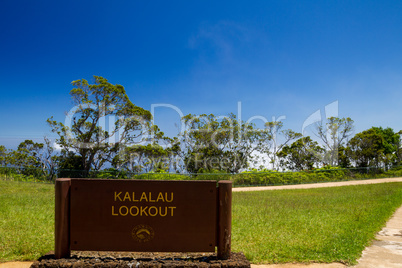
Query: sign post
[139, 215]
[225, 219]
[62, 218]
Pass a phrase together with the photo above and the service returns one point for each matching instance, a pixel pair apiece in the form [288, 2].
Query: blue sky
[276, 58]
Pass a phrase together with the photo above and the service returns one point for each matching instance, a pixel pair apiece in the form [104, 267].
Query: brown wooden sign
[138, 215]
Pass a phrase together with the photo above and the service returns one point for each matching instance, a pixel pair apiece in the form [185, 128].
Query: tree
[48, 159]
[143, 158]
[390, 144]
[70, 165]
[85, 132]
[217, 143]
[33, 158]
[3, 155]
[303, 154]
[399, 149]
[26, 155]
[343, 159]
[150, 157]
[335, 132]
[27, 158]
[271, 142]
[375, 147]
[366, 148]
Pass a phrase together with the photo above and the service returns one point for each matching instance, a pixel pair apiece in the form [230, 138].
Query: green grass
[26, 220]
[314, 225]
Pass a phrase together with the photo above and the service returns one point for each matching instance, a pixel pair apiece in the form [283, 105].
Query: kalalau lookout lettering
[135, 210]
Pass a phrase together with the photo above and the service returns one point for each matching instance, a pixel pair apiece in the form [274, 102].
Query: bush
[246, 178]
[267, 177]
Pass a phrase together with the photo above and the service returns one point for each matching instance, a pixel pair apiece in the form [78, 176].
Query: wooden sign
[139, 215]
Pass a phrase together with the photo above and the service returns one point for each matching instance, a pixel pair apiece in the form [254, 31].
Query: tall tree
[390, 144]
[86, 133]
[343, 158]
[70, 165]
[217, 143]
[158, 155]
[143, 158]
[334, 134]
[3, 155]
[34, 158]
[48, 159]
[366, 148]
[275, 139]
[27, 155]
[303, 154]
[399, 149]
[375, 147]
[27, 158]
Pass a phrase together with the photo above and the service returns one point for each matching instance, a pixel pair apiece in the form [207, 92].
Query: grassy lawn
[26, 220]
[314, 225]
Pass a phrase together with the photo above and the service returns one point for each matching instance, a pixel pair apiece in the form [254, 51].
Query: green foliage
[393, 172]
[391, 144]
[70, 165]
[367, 148]
[335, 132]
[218, 143]
[270, 143]
[303, 154]
[343, 159]
[3, 155]
[375, 147]
[255, 177]
[31, 159]
[87, 135]
[26, 156]
[208, 144]
[391, 139]
[161, 176]
[247, 178]
[143, 158]
[23, 174]
[325, 174]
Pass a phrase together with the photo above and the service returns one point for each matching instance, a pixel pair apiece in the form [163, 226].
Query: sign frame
[66, 220]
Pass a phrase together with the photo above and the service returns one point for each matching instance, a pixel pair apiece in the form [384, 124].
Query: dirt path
[15, 265]
[316, 185]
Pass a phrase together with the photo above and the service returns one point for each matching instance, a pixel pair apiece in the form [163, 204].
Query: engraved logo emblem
[143, 233]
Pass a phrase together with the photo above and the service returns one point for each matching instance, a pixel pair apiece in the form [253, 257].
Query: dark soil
[81, 259]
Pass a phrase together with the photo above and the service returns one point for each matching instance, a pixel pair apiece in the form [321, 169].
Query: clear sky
[267, 59]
